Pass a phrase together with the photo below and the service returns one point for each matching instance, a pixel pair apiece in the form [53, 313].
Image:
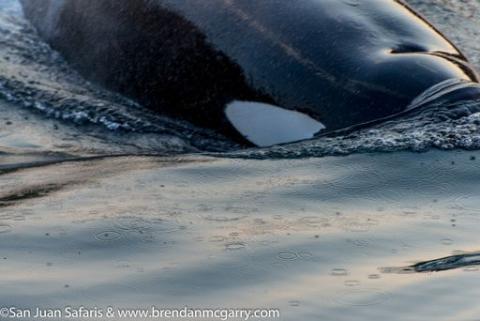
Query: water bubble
[129, 223]
[108, 236]
[5, 228]
[339, 272]
[216, 239]
[223, 219]
[360, 226]
[352, 283]
[313, 221]
[234, 246]
[287, 256]
[447, 241]
[360, 242]
[142, 225]
[305, 255]
[294, 303]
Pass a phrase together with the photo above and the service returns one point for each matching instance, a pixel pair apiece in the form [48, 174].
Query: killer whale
[260, 71]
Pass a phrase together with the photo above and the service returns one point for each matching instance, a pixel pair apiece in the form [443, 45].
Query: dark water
[103, 203]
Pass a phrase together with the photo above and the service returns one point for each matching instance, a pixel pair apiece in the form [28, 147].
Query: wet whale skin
[342, 63]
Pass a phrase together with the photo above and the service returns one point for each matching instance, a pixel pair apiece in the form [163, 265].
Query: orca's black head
[263, 71]
[329, 66]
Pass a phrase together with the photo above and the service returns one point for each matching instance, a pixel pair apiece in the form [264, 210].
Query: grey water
[103, 203]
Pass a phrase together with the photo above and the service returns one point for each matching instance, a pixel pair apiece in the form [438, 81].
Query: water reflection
[203, 232]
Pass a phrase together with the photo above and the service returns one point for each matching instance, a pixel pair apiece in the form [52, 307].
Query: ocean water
[103, 203]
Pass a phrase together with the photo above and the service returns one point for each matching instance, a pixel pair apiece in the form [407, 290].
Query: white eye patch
[266, 125]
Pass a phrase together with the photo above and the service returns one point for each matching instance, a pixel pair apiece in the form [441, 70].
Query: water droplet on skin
[339, 272]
